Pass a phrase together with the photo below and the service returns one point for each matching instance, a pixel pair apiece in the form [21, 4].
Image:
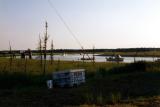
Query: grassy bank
[133, 54]
[112, 84]
[137, 53]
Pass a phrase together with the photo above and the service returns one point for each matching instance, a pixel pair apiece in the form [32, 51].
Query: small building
[69, 78]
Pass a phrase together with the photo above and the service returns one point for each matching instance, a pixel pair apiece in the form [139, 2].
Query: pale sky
[102, 23]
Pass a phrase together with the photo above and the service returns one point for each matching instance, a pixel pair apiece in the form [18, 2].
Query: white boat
[158, 60]
[115, 58]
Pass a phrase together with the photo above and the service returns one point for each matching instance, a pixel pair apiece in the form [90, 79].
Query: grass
[107, 84]
[132, 54]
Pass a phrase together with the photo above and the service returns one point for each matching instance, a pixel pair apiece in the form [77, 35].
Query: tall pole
[45, 40]
[45, 46]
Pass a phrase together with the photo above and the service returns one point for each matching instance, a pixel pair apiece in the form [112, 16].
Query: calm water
[77, 57]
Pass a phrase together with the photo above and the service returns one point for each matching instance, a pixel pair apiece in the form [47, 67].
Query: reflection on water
[77, 57]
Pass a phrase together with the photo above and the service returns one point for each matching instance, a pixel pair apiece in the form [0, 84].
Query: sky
[99, 23]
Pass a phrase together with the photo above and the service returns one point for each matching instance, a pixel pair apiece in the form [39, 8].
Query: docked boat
[158, 60]
[116, 58]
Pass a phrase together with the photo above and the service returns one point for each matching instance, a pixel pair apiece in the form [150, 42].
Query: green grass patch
[106, 84]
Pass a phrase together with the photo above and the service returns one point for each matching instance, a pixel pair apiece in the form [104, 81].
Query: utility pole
[45, 40]
[45, 45]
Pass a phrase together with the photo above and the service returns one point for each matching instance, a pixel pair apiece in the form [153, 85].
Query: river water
[77, 57]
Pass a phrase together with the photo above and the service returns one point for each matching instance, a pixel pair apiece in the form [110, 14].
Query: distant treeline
[85, 50]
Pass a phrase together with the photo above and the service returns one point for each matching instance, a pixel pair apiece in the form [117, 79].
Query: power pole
[45, 40]
[45, 45]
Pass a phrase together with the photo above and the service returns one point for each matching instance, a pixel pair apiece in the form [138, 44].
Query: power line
[65, 24]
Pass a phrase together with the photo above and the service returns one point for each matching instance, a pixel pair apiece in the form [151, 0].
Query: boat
[158, 60]
[116, 58]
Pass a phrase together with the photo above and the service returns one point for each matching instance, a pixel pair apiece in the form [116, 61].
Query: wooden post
[25, 66]
[52, 46]
[10, 60]
[93, 56]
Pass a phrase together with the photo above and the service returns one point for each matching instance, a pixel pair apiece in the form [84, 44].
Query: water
[77, 57]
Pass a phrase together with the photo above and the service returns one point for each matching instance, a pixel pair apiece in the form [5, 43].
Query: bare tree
[29, 53]
[40, 50]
